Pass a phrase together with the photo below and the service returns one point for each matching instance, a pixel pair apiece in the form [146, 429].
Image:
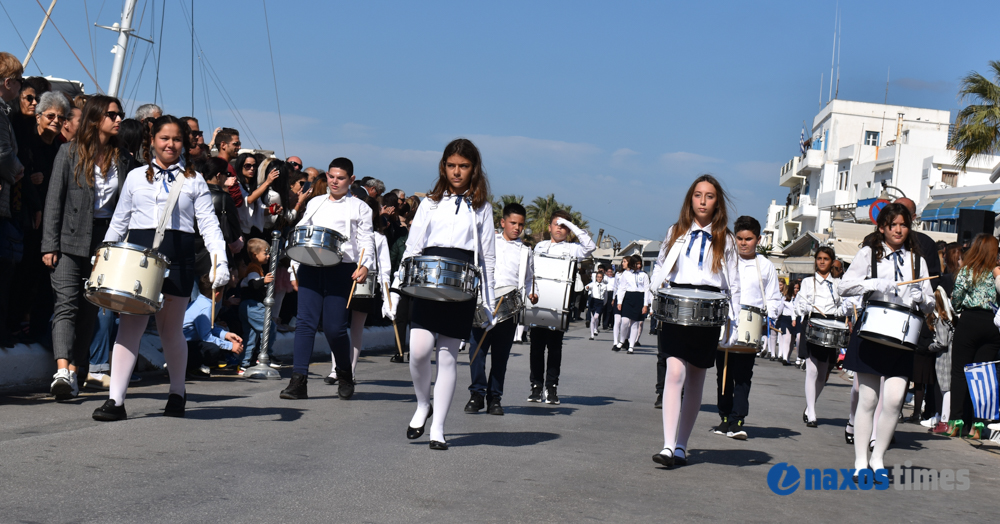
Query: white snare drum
[367, 288]
[512, 305]
[750, 330]
[554, 278]
[891, 324]
[690, 307]
[315, 246]
[828, 332]
[439, 279]
[127, 278]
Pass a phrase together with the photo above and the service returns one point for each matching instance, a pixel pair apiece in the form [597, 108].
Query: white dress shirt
[580, 250]
[446, 224]
[141, 205]
[856, 281]
[510, 254]
[816, 295]
[597, 289]
[610, 283]
[751, 282]
[384, 265]
[634, 281]
[104, 191]
[350, 217]
[687, 270]
[787, 309]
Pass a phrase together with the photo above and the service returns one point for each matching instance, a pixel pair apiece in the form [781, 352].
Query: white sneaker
[931, 422]
[62, 385]
[75, 392]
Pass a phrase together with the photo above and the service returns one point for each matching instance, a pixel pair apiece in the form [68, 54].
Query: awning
[797, 265]
[948, 209]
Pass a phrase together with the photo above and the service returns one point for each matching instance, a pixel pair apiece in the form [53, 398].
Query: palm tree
[540, 215]
[498, 206]
[977, 126]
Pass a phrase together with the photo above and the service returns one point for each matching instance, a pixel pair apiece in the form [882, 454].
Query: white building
[858, 152]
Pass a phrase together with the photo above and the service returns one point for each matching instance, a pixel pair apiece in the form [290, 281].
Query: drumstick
[915, 281]
[725, 367]
[818, 311]
[495, 311]
[355, 284]
[215, 261]
[394, 331]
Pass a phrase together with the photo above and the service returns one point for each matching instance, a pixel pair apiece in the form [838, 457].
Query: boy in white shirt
[595, 300]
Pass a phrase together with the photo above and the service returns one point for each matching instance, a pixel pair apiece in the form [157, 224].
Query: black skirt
[865, 356]
[632, 305]
[784, 324]
[450, 319]
[179, 247]
[693, 344]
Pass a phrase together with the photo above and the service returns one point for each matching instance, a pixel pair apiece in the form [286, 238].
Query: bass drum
[554, 278]
[127, 278]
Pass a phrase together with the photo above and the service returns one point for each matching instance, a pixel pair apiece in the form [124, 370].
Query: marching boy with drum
[760, 299]
[512, 275]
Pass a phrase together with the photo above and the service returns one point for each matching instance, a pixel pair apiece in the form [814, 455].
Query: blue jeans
[323, 295]
[252, 314]
[499, 339]
[104, 335]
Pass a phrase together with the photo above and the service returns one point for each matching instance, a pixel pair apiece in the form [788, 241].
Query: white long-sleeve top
[787, 309]
[447, 224]
[636, 281]
[857, 283]
[751, 285]
[597, 289]
[384, 265]
[580, 250]
[142, 203]
[510, 254]
[609, 283]
[816, 295]
[350, 217]
[687, 271]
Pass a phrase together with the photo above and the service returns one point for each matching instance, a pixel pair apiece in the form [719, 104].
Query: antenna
[833, 54]
[878, 144]
[840, 40]
[820, 92]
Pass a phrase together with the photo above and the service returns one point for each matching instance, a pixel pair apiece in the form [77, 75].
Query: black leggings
[976, 340]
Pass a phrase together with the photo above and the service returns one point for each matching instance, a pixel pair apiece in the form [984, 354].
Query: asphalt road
[243, 454]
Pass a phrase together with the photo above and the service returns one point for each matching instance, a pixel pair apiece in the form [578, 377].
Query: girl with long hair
[143, 201]
[976, 338]
[708, 263]
[83, 192]
[456, 221]
[618, 338]
[784, 323]
[634, 301]
[890, 256]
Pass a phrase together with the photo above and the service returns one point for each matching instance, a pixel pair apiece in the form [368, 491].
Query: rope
[19, 35]
[159, 49]
[85, 70]
[275, 76]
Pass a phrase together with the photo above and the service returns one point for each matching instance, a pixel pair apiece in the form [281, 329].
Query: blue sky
[613, 106]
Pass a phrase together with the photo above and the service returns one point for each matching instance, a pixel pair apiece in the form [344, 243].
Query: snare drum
[367, 288]
[749, 331]
[127, 278]
[315, 246]
[891, 324]
[439, 279]
[511, 306]
[690, 307]
[827, 332]
[554, 279]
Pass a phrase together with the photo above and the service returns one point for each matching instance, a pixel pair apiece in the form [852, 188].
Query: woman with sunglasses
[82, 195]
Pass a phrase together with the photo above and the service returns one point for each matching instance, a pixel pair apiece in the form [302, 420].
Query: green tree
[540, 212]
[498, 206]
[977, 126]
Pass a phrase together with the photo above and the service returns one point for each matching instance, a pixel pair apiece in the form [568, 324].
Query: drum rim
[754, 309]
[107, 291]
[148, 251]
[436, 258]
[667, 292]
[879, 338]
[893, 305]
[310, 263]
[402, 289]
[336, 234]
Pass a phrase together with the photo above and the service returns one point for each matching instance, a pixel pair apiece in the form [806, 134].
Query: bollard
[263, 368]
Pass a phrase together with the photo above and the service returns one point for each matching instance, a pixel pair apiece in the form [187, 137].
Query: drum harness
[173, 194]
[914, 272]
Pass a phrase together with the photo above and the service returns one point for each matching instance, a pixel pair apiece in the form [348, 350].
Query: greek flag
[982, 379]
[802, 141]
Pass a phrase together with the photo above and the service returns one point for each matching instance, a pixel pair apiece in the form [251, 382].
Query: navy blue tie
[897, 259]
[830, 286]
[164, 175]
[458, 202]
[705, 237]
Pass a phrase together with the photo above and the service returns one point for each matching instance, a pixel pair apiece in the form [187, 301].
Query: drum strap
[668, 264]
[522, 268]
[760, 280]
[172, 196]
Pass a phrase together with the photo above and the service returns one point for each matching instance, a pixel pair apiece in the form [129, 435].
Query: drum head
[312, 256]
[121, 302]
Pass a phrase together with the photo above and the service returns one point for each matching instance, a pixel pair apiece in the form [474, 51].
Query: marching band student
[323, 291]
[818, 295]
[140, 207]
[690, 350]
[609, 297]
[596, 290]
[757, 275]
[784, 323]
[513, 268]
[634, 301]
[543, 338]
[617, 337]
[887, 258]
[361, 307]
[456, 221]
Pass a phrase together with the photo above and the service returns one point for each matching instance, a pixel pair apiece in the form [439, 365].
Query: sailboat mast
[124, 31]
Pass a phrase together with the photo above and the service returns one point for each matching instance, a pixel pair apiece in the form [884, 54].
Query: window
[949, 178]
[843, 180]
[871, 138]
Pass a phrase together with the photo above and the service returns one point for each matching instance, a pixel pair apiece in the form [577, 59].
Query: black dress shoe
[396, 357]
[415, 433]
[297, 388]
[680, 457]
[664, 459]
[849, 437]
[345, 384]
[110, 412]
[440, 446]
[812, 424]
[494, 407]
[475, 404]
[175, 405]
[659, 401]
[804, 417]
[330, 380]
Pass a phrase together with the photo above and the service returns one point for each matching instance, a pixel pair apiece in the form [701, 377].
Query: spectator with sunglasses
[295, 163]
[226, 141]
[197, 137]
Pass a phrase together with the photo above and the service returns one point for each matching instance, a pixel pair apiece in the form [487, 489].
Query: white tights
[421, 349]
[815, 380]
[617, 329]
[593, 322]
[357, 342]
[855, 387]
[169, 323]
[630, 330]
[679, 415]
[784, 345]
[893, 395]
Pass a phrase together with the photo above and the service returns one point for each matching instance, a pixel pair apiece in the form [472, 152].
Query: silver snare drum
[511, 306]
[690, 307]
[439, 279]
[828, 332]
[315, 246]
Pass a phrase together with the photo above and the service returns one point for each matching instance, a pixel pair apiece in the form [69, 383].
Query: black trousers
[734, 403]
[201, 353]
[542, 339]
[976, 339]
[608, 317]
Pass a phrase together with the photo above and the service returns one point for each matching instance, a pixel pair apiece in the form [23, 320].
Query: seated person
[207, 346]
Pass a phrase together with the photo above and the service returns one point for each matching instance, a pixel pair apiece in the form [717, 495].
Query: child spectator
[207, 345]
[253, 289]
